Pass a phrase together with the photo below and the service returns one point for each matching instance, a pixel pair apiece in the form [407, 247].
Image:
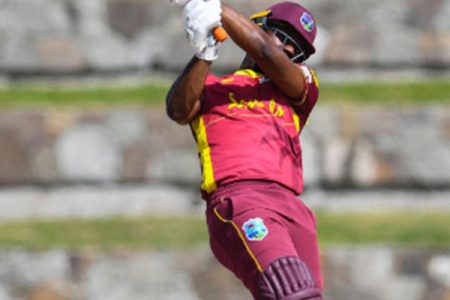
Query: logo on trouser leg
[255, 230]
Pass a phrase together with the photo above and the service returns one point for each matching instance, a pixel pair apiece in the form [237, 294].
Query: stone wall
[78, 36]
[344, 147]
[351, 273]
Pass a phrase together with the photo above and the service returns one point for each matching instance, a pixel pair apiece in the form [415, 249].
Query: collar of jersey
[249, 73]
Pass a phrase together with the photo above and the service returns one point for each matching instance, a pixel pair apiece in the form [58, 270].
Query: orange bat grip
[220, 34]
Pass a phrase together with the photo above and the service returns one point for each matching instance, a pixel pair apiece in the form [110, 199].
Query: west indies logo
[307, 22]
[255, 230]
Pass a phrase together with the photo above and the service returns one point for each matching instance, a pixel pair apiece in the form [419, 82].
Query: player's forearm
[183, 99]
[248, 36]
[270, 58]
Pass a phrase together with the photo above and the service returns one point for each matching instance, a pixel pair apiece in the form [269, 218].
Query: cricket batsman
[247, 126]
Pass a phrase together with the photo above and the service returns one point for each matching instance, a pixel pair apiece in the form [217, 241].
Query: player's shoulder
[214, 79]
[211, 79]
[240, 77]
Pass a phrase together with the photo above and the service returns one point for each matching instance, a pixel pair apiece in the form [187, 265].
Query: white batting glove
[200, 18]
[211, 51]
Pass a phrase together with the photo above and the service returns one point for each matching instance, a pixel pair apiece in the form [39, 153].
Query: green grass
[154, 233]
[404, 229]
[360, 93]
[394, 93]
[24, 96]
[418, 229]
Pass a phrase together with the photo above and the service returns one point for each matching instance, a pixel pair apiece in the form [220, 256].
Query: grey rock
[440, 18]
[422, 13]
[325, 122]
[363, 164]
[141, 276]
[14, 165]
[97, 202]
[361, 39]
[129, 126]
[335, 166]
[439, 269]
[4, 293]
[176, 166]
[110, 35]
[43, 164]
[351, 273]
[89, 152]
[105, 49]
[59, 54]
[434, 48]
[27, 269]
[127, 17]
[134, 164]
[166, 134]
[53, 290]
[311, 158]
[377, 200]
[368, 270]
[209, 277]
[137, 200]
[23, 23]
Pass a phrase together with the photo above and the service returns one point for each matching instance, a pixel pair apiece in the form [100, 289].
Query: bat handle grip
[220, 34]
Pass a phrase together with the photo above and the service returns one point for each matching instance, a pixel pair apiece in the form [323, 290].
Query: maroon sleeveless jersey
[247, 129]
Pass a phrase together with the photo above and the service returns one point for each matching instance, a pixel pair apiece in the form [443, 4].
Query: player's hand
[201, 17]
[211, 51]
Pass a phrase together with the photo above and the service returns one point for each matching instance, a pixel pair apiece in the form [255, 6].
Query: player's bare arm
[200, 19]
[269, 54]
[183, 99]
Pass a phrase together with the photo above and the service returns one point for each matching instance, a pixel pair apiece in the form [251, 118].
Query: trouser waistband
[230, 187]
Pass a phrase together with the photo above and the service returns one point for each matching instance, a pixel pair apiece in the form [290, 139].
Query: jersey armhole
[305, 75]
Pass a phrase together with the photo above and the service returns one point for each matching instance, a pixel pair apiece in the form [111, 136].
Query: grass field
[395, 93]
[35, 96]
[402, 229]
[361, 93]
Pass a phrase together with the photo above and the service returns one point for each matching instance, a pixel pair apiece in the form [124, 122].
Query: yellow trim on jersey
[296, 120]
[314, 76]
[249, 251]
[248, 72]
[209, 183]
[227, 80]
